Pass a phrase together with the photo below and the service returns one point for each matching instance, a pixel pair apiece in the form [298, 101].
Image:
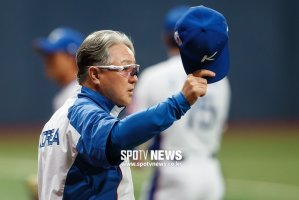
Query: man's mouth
[131, 90]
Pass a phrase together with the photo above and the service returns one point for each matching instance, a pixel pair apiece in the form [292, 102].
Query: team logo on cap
[209, 58]
[177, 38]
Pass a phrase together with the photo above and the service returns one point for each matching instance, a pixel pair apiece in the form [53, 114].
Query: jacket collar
[101, 100]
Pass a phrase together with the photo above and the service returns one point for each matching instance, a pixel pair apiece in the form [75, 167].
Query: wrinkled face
[113, 85]
[58, 65]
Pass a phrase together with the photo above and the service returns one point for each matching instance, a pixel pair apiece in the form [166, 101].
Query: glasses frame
[134, 72]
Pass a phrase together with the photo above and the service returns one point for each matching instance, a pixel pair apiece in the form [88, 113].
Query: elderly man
[79, 148]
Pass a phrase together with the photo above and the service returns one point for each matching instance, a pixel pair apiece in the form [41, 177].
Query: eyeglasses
[126, 70]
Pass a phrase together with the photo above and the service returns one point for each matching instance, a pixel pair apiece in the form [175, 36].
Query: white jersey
[199, 131]
[64, 94]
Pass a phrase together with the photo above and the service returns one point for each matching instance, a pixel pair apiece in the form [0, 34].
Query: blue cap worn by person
[202, 36]
[172, 16]
[61, 39]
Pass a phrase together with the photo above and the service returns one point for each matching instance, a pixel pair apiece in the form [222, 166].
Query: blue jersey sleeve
[94, 126]
[140, 127]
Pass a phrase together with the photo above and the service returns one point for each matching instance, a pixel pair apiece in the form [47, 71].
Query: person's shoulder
[85, 111]
[224, 83]
[220, 89]
[154, 70]
[64, 94]
[85, 105]
[164, 68]
[60, 115]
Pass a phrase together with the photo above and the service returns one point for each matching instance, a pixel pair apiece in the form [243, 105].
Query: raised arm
[142, 126]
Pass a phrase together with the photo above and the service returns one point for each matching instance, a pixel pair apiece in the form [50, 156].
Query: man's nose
[133, 79]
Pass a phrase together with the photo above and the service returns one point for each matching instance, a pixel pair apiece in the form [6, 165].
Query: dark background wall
[264, 48]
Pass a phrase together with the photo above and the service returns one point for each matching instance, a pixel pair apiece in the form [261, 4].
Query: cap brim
[45, 46]
[220, 66]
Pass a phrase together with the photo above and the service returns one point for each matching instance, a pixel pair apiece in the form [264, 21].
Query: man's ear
[93, 73]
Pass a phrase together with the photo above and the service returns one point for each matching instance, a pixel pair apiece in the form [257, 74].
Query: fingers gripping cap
[60, 39]
[202, 36]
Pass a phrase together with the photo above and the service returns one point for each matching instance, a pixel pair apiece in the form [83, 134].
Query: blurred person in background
[197, 134]
[59, 54]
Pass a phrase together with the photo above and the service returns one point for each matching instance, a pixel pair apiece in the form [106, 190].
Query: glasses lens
[135, 71]
[131, 70]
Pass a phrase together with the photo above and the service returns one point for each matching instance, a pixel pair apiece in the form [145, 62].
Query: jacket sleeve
[94, 127]
[142, 126]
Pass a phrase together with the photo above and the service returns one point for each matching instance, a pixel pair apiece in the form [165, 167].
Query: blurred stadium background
[260, 150]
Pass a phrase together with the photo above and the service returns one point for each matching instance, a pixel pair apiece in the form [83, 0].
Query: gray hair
[94, 50]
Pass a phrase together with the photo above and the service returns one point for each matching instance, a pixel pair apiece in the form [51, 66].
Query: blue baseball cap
[172, 16]
[202, 36]
[62, 39]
